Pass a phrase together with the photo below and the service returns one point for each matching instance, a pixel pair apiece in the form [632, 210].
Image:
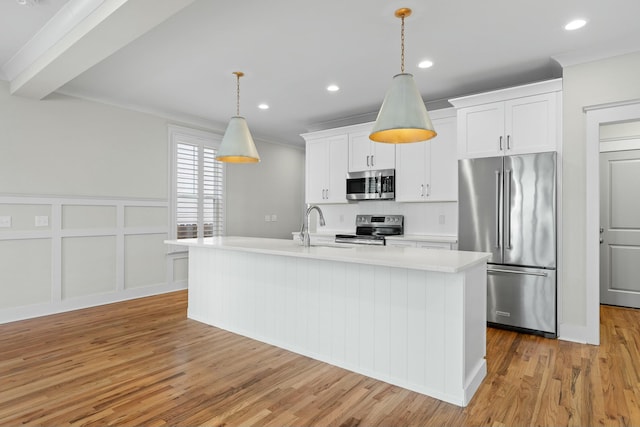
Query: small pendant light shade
[403, 116]
[237, 145]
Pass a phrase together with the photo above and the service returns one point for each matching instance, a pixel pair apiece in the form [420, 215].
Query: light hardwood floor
[142, 362]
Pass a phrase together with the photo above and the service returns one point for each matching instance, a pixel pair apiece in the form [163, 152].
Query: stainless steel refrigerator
[507, 206]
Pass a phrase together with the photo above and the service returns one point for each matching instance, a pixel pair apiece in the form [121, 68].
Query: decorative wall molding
[55, 232]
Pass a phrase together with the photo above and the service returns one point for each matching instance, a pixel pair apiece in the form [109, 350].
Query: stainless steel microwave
[372, 185]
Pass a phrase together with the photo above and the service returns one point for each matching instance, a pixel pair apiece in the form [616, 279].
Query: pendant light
[403, 116]
[237, 145]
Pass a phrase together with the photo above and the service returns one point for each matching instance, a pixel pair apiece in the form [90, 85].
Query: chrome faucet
[304, 231]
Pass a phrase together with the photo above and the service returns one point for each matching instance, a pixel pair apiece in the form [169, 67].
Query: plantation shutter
[199, 192]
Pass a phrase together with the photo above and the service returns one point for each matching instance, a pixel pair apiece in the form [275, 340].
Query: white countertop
[447, 261]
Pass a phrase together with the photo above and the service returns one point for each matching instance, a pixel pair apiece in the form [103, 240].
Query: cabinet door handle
[500, 143]
[508, 142]
[372, 160]
[428, 190]
[367, 161]
[421, 190]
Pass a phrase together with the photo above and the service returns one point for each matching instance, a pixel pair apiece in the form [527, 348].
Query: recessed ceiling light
[263, 106]
[575, 24]
[333, 88]
[425, 64]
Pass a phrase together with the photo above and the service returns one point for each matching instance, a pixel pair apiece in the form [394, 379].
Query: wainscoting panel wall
[61, 253]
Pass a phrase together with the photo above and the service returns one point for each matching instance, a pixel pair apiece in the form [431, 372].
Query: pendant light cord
[402, 46]
[237, 94]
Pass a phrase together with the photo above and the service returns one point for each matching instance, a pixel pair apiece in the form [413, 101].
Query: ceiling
[181, 64]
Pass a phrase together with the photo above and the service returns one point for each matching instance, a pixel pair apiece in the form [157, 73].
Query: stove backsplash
[419, 218]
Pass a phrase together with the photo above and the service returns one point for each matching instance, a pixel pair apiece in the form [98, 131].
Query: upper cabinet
[518, 120]
[326, 169]
[428, 171]
[365, 154]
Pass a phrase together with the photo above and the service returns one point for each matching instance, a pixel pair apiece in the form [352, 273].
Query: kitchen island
[411, 317]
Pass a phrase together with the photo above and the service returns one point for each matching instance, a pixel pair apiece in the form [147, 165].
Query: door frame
[597, 115]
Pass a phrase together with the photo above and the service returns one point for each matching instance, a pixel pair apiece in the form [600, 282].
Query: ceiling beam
[110, 26]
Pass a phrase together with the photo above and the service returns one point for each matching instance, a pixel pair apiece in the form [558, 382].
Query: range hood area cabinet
[326, 169]
[365, 154]
[428, 171]
[519, 120]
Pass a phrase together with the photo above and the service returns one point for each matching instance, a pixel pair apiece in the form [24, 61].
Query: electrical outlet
[267, 218]
[274, 217]
[441, 219]
[42, 221]
[5, 221]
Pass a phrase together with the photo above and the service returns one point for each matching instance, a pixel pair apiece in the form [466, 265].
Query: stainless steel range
[372, 229]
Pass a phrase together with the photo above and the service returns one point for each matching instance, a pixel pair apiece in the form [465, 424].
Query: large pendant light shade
[237, 145]
[403, 116]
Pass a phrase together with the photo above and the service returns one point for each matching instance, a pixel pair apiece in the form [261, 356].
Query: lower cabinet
[420, 244]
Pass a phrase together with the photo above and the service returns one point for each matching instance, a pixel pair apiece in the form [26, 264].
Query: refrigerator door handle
[530, 273]
[507, 214]
[498, 176]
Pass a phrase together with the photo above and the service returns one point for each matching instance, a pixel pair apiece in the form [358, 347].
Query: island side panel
[402, 326]
[475, 365]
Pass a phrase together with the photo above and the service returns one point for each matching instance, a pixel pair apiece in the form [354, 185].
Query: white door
[359, 152]
[337, 170]
[620, 228]
[530, 124]
[443, 176]
[316, 164]
[411, 171]
[383, 156]
[481, 130]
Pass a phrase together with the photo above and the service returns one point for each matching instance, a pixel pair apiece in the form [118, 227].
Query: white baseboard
[573, 333]
[36, 310]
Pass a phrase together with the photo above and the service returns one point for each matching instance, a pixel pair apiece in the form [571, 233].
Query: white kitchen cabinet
[428, 171]
[365, 154]
[434, 245]
[518, 120]
[425, 244]
[326, 169]
[401, 243]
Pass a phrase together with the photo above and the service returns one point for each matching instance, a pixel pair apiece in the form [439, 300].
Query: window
[197, 189]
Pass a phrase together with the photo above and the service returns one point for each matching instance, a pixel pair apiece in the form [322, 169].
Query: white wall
[599, 82]
[275, 186]
[99, 174]
[67, 146]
